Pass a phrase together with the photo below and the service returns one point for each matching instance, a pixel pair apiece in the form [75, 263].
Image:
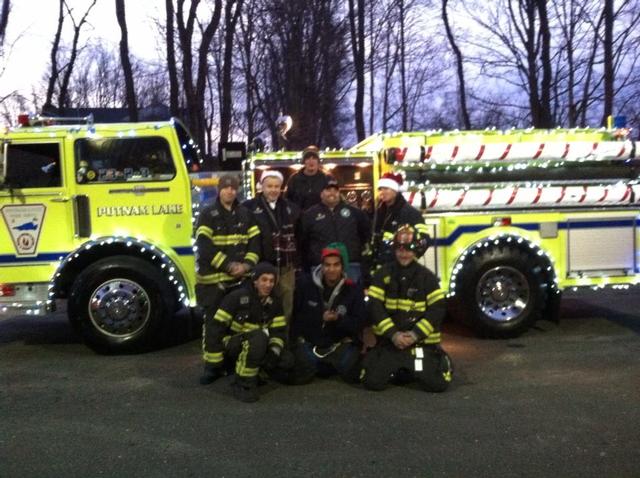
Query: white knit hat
[271, 174]
[391, 181]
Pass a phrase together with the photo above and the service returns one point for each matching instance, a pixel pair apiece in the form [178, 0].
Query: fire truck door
[37, 227]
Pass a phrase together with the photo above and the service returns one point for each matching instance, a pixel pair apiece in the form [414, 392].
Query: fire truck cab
[101, 215]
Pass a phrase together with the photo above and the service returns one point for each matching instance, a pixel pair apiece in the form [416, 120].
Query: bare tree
[356, 28]
[126, 64]
[68, 68]
[459, 68]
[172, 69]
[4, 19]
[194, 85]
[231, 19]
[55, 72]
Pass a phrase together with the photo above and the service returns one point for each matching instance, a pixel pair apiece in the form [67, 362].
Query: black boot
[211, 374]
[246, 389]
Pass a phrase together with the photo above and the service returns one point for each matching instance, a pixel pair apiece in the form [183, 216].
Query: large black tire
[120, 304]
[503, 290]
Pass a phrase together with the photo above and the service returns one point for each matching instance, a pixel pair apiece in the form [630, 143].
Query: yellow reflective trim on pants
[214, 278]
[376, 292]
[222, 316]
[241, 364]
[251, 257]
[435, 296]
[213, 357]
[276, 341]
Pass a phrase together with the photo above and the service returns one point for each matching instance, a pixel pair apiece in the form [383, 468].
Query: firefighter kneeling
[407, 307]
[248, 333]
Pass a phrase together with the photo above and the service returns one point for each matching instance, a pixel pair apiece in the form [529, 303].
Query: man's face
[271, 188]
[387, 195]
[405, 256]
[331, 269]
[228, 195]
[264, 284]
[311, 165]
[330, 197]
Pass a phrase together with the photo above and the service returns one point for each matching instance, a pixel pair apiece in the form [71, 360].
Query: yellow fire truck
[516, 216]
[101, 215]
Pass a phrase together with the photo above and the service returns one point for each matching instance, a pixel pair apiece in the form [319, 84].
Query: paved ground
[563, 400]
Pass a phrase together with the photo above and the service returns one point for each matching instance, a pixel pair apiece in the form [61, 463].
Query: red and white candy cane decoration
[519, 151]
[524, 196]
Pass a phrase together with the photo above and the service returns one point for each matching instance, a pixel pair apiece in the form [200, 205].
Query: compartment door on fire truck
[37, 223]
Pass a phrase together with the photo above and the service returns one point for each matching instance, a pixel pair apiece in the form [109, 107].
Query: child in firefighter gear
[328, 316]
[407, 307]
[248, 332]
[227, 247]
[393, 210]
[277, 219]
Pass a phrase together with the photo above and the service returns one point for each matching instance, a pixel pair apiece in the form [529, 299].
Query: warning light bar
[38, 120]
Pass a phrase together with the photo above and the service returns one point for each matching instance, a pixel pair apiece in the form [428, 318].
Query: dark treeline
[346, 69]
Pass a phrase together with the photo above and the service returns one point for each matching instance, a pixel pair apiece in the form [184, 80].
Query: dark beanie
[264, 268]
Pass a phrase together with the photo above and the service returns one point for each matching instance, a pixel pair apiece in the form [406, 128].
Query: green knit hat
[330, 250]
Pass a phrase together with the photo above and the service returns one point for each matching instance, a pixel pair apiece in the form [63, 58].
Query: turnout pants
[343, 359]
[245, 353]
[209, 298]
[429, 365]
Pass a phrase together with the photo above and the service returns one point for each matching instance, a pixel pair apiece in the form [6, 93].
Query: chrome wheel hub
[502, 293]
[119, 308]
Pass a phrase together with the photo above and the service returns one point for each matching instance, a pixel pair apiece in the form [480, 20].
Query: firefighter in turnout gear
[407, 307]
[228, 244]
[393, 211]
[248, 331]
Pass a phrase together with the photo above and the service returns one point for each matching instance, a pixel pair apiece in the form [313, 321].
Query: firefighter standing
[329, 313]
[227, 247]
[277, 219]
[333, 220]
[304, 187]
[249, 330]
[407, 307]
[392, 211]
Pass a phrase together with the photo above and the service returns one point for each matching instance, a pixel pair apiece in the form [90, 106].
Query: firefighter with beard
[328, 315]
[248, 332]
[407, 307]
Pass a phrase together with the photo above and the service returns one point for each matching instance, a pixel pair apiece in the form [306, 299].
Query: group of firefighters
[281, 280]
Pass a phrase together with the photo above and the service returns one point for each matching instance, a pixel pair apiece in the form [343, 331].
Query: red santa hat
[391, 181]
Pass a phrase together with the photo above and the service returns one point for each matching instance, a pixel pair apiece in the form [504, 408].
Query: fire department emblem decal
[24, 224]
